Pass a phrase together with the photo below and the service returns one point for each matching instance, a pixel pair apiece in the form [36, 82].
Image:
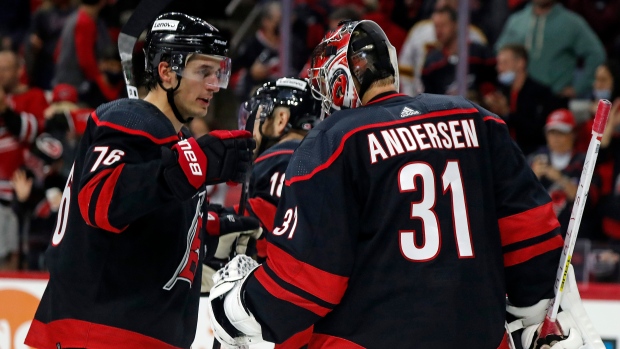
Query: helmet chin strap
[170, 96]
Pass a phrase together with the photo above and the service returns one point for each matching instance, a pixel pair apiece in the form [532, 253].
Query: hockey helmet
[294, 94]
[357, 49]
[176, 36]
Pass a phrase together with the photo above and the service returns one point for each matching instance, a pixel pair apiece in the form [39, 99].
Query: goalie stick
[550, 325]
[145, 13]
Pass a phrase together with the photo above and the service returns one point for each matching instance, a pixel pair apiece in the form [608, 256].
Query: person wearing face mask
[521, 101]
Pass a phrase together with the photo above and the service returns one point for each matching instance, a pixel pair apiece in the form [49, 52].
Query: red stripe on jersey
[611, 227]
[86, 194]
[105, 198]
[264, 210]
[527, 253]
[385, 97]
[275, 153]
[82, 334]
[326, 286]
[134, 132]
[325, 341]
[529, 224]
[493, 118]
[338, 151]
[298, 340]
[277, 291]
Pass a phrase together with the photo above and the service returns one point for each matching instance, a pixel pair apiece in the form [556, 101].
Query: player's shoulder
[135, 117]
[279, 152]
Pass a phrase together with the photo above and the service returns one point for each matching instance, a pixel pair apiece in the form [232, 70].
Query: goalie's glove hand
[570, 339]
[217, 157]
[232, 322]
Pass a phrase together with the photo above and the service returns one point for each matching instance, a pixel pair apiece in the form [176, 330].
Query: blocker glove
[217, 157]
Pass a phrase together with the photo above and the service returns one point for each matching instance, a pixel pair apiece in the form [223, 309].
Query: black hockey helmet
[175, 36]
[294, 94]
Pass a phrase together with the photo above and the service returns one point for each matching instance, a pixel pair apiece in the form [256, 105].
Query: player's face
[198, 85]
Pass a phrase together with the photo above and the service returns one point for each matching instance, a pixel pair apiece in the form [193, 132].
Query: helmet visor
[213, 71]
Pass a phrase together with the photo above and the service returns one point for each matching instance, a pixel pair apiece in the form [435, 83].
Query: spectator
[37, 200]
[559, 167]
[14, 20]
[610, 152]
[45, 29]
[83, 41]
[258, 57]
[439, 73]
[521, 101]
[417, 43]
[556, 40]
[20, 97]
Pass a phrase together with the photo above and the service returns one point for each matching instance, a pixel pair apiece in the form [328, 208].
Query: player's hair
[519, 51]
[452, 14]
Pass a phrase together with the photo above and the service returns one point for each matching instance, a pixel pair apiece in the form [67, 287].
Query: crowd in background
[541, 65]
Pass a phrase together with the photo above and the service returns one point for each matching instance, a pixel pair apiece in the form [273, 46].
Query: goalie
[404, 222]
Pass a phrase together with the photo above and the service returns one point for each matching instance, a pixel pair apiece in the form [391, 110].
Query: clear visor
[211, 70]
[245, 110]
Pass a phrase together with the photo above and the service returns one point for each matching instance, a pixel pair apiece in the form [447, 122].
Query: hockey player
[125, 257]
[286, 111]
[404, 222]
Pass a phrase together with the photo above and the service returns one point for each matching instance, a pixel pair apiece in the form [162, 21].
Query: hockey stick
[550, 325]
[145, 13]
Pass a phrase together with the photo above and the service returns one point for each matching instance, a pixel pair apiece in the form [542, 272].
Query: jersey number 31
[423, 210]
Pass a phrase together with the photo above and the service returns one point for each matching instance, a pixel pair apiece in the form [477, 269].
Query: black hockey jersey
[125, 257]
[404, 224]
[267, 181]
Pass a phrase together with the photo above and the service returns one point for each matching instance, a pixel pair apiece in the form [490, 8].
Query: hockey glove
[232, 322]
[234, 232]
[577, 330]
[214, 158]
[229, 155]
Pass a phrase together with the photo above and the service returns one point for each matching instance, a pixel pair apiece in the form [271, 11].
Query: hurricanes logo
[339, 83]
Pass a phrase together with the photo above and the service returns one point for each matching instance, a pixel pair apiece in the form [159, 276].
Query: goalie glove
[234, 232]
[577, 330]
[231, 321]
[217, 157]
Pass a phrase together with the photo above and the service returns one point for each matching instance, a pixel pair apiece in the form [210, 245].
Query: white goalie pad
[232, 323]
[573, 320]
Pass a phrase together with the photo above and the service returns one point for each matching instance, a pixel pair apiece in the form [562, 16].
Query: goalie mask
[175, 38]
[357, 49]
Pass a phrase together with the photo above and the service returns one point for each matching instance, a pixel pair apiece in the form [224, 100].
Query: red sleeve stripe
[86, 194]
[340, 148]
[527, 253]
[264, 210]
[319, 283]
[494, 118]
[29, 127]
[275, 153]
[105, 198]
[279, 292]
[324, 341]
[134, 132]
[529, 224]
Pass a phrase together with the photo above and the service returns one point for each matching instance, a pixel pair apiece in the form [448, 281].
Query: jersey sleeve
[121, 180]
[310, 253]
[529, 228]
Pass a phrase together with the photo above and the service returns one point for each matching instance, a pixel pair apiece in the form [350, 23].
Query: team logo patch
[408, 112]
[165, 24]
